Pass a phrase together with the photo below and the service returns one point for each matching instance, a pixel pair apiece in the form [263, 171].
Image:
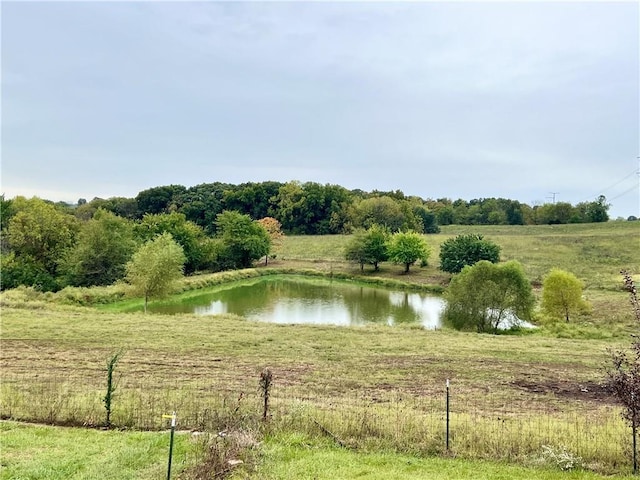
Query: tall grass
[394, 420]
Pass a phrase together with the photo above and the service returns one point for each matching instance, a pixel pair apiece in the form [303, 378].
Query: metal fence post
[173, 429]
[447, 435]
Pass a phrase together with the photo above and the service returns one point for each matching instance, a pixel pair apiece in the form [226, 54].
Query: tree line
[316, 209]
[222, 226]
[48, 247]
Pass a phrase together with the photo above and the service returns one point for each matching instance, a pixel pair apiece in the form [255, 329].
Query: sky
[531, 101]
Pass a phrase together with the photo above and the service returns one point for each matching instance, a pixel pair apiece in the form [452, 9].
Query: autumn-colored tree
[274, 229]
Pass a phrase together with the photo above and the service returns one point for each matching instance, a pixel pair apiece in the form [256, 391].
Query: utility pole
[553, 196]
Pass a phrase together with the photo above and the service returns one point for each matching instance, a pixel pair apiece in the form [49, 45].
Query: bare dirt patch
[586, 391]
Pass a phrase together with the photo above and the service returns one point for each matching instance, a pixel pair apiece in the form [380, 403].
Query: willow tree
[155, 268]
[562, 294]
[485, 295]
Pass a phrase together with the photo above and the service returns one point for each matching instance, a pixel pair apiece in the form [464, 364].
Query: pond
[289, 300]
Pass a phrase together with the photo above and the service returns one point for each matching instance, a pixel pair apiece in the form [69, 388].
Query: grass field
[53, 453]
[301, 457]
[374, 389]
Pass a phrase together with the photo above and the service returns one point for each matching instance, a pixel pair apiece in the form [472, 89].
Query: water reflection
[313, 301]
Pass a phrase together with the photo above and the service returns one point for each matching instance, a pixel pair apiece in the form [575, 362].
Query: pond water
[312, 301]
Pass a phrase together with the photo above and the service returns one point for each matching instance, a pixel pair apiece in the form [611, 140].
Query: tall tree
[202, 203]
[40, 231]
[155, 268]
[158, 199]
[383, 211]
[244, 240]
[105, 244]
[253, 199]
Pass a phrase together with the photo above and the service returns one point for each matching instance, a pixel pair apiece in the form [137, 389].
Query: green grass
[51, 453]
[595, 253]
[302, 457]
[377, 389]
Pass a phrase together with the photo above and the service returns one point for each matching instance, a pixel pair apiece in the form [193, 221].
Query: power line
[633, 172]
[624, 193]
[553, 196]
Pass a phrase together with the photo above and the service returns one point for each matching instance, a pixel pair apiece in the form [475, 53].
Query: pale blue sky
[460, 100]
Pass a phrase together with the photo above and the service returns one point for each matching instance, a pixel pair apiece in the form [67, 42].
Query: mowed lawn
[38, 452]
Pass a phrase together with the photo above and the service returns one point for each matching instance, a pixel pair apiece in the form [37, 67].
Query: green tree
[158, 199]
[244, 240]
[597, 211]
[155, 268]
[463, 250]
[202, 203]
[406, 248]
[25, 270]
[554, 213]
[426, 218]
[6, 212]
[368, 246]
[311, 208]
[40, 231]
[562, 294]
[382, 210]
[105, 244]
[190, 237]
[253, 199]
[483, 296]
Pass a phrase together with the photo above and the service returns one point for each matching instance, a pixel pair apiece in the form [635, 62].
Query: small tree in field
[155, 268]
[463, 250]
[274, 229]
[483, 295]
[368, 246]
[244, 239]
[406, 248]
[562, 294]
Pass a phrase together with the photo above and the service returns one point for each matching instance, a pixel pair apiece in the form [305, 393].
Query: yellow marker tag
[167, 416]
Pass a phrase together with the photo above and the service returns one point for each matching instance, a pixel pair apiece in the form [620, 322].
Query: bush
[463, 250]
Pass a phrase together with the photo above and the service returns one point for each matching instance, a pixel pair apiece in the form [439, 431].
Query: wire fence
[593, 433]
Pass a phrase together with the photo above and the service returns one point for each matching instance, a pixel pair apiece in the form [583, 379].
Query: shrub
[463, 250]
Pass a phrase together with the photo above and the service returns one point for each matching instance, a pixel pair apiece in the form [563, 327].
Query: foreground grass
[51, 453]
[375, 387]
[301, 457]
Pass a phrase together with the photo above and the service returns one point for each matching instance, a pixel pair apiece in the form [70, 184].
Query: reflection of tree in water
[405, 312]
[367, 305]
[246, 299]
[362, 304]
[375, 306]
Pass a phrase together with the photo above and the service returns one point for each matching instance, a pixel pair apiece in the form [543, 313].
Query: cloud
[437, 99]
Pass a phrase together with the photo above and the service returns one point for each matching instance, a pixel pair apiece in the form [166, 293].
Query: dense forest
[223, 226]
